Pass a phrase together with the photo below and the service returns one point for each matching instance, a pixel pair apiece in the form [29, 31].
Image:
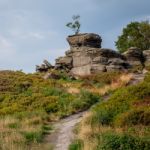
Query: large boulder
[86, 39]
[134, 56]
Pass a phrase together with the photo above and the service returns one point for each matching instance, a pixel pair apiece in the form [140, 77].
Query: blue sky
[33, 30]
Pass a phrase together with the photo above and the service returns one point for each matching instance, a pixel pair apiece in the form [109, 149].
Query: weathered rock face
[134, 56]
[146, 54]
[87, 60]
[87, 39]
[64, 63]
[86, 56]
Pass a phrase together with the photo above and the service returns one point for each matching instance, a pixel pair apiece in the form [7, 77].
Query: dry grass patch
[73, 90]
[123, 80]
[21, 134]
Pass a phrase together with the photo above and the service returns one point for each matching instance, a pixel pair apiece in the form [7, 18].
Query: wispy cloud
[32, 30]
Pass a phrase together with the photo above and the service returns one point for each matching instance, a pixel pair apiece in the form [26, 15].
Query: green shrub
[121, 101]
[76, 145]
[113, 141]
[30, 92]
[14, 125]
[33, 136]
[133, 117]
[85, 100]
[52, 91]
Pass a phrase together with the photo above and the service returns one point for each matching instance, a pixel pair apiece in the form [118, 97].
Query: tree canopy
[135, 34]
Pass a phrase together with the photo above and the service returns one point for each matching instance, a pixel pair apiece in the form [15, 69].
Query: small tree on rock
[75, 24]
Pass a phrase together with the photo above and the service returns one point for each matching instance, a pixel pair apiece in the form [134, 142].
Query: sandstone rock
[87, 39]
[44, 67]
[114, 68]
[98, 68]
[64, 60]
[100, 60]
[109, 53]
[81, 61]
[146, 54]
[81, 71]
[64, 63]
[68, 53]
[119, 62]
[134, 56]
[85, 56]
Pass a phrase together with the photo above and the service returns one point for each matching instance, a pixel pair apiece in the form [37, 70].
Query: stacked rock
[86, 56]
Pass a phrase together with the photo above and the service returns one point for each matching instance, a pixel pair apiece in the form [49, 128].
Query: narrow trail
[63, 134]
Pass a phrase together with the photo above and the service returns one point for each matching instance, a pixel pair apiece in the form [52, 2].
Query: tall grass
[122, 122]
[21, 132]
[28, 103]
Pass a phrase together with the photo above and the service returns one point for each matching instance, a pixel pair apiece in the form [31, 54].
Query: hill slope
[122, 122]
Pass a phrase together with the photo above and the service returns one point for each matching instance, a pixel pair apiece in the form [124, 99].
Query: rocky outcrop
[86, 56]
[134, 56]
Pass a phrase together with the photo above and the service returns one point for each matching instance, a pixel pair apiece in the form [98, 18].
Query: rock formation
[134, 56]
[146, 55]
[86, 57]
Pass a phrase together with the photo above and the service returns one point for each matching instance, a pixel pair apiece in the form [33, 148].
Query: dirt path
[63, 133]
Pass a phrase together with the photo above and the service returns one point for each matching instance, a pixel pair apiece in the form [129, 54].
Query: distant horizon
[33, 30]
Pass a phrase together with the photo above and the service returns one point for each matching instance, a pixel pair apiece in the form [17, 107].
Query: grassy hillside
[28, 103]
[122, 122]
[21, 93]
